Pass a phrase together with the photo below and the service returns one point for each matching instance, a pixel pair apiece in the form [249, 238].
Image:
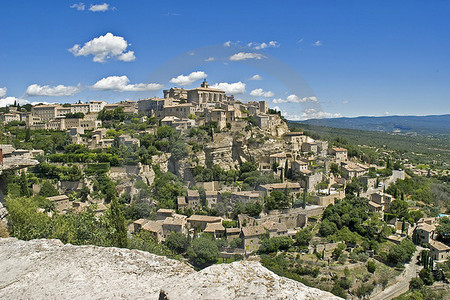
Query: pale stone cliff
[48, 269]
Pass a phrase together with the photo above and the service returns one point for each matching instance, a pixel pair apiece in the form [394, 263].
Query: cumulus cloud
[11, 100]
[317, 43]
[345, 101]
[231, 88]
[227, 44]
[210, 59]
[308, 114]
[52, 91]
[261, 93]
[256, 77]
[105, 47]
[78, 6]
[121, 84]
[3, 92]
[99, 7]
[188, 79]
[246, 55]
[259, 46]
[295, 99]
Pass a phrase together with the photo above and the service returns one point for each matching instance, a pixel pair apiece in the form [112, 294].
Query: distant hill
[435, 124]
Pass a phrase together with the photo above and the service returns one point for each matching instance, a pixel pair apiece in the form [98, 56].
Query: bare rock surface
[48, 269]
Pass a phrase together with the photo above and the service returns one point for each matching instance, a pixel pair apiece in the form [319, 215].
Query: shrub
[371, 266]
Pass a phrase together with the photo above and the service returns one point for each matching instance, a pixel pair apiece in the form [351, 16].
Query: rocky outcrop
[48, 269]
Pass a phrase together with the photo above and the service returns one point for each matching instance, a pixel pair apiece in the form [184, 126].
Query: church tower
[205, 84]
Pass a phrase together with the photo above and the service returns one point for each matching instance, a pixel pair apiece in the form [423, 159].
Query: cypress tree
[117, 222]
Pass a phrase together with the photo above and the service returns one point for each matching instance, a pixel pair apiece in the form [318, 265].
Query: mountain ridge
[430, 124]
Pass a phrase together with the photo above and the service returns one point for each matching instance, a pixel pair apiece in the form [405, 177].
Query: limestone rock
[48, 269]
[240, 280]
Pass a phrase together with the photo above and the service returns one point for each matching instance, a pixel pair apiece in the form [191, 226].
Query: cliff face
[47, 269]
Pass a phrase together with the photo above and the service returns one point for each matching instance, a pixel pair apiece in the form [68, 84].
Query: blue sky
[327, 58]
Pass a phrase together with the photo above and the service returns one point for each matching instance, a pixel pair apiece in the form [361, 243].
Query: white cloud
[299, 41]
[188, 79]
[245, 55]
[99, 7]
[78, 6]
[10, 101]
[317, 43]
[295, 99]
[261, 93]
[308, 114]
[227, 44]
[231, 88]
[3, 92]
[52, 91]
[210, 59]
[121, 84]
[345, 101]
[256, 77]
[259, 46]
[105, 47]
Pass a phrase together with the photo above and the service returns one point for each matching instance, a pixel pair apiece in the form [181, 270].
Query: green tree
[427, 276]
[443, 229]
[371, 266]
[303, 237]
[23, 183]
[25, 221]
[118, 234]
[48, 190]
[327, 228]
[416, 284]
[178, 242]
[203, 251]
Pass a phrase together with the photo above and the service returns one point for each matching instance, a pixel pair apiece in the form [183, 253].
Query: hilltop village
[200, 164]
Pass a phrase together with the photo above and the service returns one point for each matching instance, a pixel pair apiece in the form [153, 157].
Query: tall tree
[116, 220]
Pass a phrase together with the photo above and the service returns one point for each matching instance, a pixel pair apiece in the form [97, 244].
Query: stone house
[246, 197]
[181, 110]
[275, 229]
[215, 229]
[299, 166]
[309, 147]
[217, 115]
[163, 213]
[439, 251]
[176, 224]
[251, 236]
[375, 207]
[193, 199]
[381, 199]
[352, 169]
[211, 198]
[278, 159]
[61, 202]
[291, 187]
[232, 233]
[423, 233]
[155, 228]
[325, 200]
[341, 154]
[200, 221]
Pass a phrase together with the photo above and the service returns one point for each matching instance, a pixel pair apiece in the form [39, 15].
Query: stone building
[180, 110]
[203, 95]
[339, 153]
[251, 236]
[176, 93]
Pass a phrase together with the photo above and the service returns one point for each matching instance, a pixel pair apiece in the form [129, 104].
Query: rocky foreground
[48, 269]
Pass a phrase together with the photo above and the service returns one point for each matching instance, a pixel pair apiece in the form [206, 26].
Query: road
[402, 284]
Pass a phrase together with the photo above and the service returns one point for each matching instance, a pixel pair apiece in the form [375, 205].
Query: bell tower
[205, 84]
